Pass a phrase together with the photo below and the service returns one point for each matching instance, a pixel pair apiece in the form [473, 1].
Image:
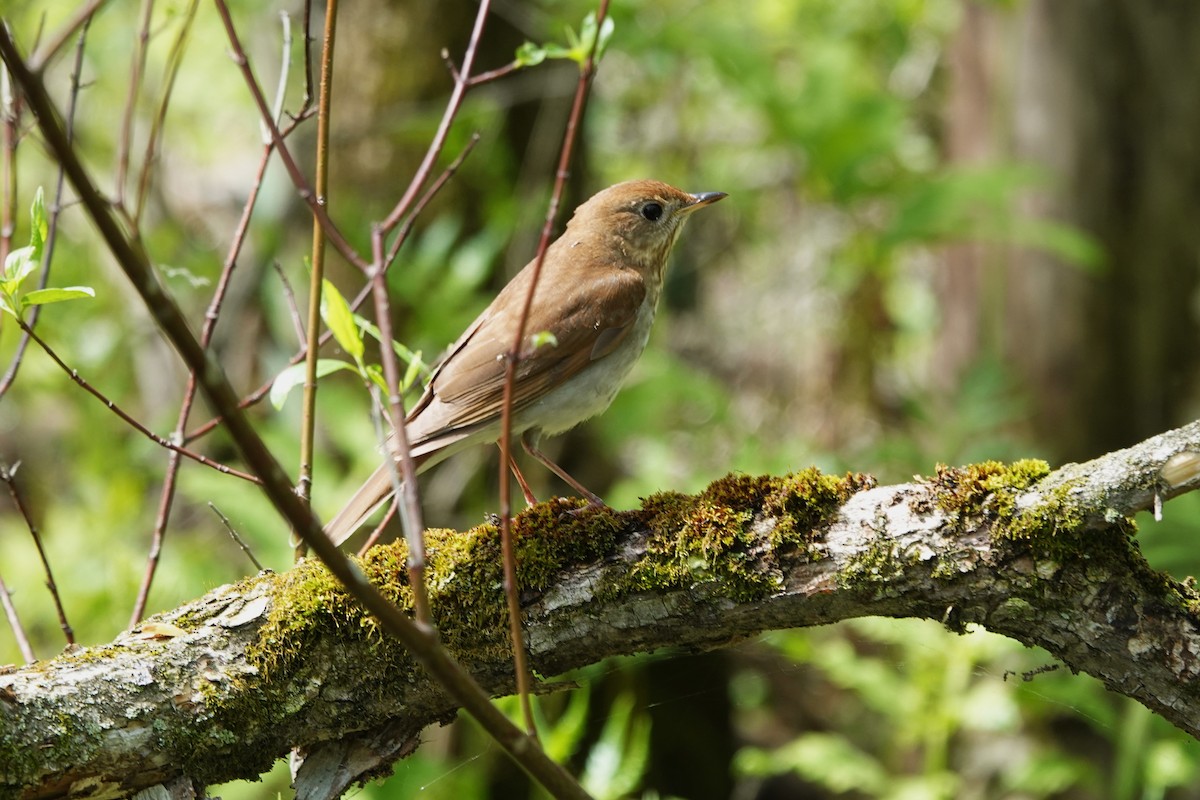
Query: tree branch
[218, 689]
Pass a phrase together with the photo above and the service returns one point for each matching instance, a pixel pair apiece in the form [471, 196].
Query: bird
[589, 322]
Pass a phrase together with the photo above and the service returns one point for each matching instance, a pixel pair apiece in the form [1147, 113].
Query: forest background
[956, 231]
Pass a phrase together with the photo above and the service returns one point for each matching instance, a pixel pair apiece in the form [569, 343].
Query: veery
[596, 297]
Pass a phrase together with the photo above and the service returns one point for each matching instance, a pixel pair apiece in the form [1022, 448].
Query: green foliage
[347, 329]
[578, 47]
[22, 262]
[824, 121]
[915, 705]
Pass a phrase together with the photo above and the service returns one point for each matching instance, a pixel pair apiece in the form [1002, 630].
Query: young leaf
[337, 315]
[530, 55]
[40, 297]
[293, 376]
[39, 227]
[18, 265]
[375, 373]
[415, 367]
[413, 359]
[581, 45]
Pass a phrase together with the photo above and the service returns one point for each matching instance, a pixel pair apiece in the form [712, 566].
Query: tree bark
[218, 689]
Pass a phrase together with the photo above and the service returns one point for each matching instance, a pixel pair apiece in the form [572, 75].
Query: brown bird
[596, 296]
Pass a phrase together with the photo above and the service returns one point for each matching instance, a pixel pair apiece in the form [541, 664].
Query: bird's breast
[593, 388]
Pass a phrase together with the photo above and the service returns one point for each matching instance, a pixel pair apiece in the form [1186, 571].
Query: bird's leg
[530, 499]
[529, 442]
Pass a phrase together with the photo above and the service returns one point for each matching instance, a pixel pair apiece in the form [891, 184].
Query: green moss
[989, 487]
[464, 574]
[1052, 528]
[881, 563]
[804, 502]
[711, 538]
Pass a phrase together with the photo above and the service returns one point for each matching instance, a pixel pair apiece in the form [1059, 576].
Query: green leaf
[587, 35]
[410, 357]
[17, 266]
[375, 373]
[337, 315]
[294, 375]
[617, 761]
[1070, 244]
[39, 225]
[40, 297]
[579, 45]
[530, 55]
[415, 367]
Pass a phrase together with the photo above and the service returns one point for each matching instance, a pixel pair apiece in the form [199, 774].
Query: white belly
[592, 390]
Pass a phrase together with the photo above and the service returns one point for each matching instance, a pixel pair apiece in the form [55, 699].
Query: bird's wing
[467, 389]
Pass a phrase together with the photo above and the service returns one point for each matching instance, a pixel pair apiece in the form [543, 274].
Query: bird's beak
[703, 199]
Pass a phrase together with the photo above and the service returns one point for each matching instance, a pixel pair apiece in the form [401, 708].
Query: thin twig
[392, 508]
[308, 40]
[285, 65]
[439, 138]
[293, 170]
[9, 476]
[422, 644]
[37, 62]
[483, 77]
[308, 408]
[133, 423]
[14, 622]
[397, 452]
[524, 678]
[150, 158]
[125, 140]
[211, 315]
[289, 297]
[10, 115]
[233, 534]
[170, 478]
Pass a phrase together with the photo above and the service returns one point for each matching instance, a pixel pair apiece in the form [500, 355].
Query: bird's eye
[652, 211]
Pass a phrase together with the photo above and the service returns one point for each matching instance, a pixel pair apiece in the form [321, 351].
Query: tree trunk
[1106, 101]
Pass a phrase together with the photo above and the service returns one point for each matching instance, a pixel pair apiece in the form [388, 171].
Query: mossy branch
[219, 688]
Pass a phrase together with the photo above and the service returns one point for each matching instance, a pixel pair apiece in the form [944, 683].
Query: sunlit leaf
[337, 315]
[410, 357]
[530, 55]
[415, 367]
[40, 226]
[18, 265]
[587, 35]
[40, 297]
[294, 375]
[618, 759]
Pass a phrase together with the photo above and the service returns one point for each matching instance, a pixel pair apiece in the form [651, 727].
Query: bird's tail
[365, 502]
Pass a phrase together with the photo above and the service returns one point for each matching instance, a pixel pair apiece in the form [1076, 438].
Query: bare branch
[128, 419]
[1049, 564]
[9, 476]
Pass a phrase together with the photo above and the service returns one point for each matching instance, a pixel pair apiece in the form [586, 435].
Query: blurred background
[956, 231]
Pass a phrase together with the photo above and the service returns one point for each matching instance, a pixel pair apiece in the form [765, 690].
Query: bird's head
[643, 218]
